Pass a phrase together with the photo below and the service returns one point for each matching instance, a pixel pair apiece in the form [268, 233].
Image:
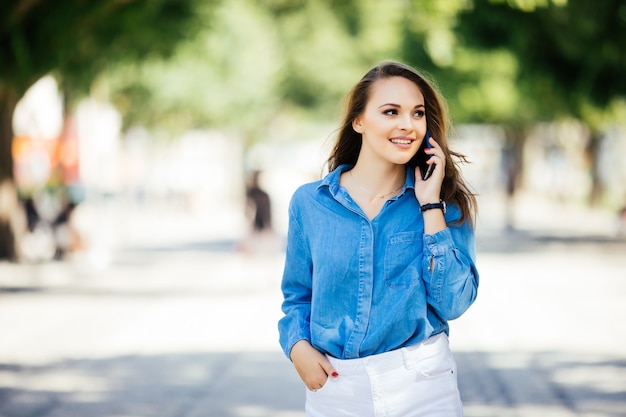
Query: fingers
[329, 369]
[321, 378]
[435, 150]
[315, 380]
[312, 366]
[437, 156]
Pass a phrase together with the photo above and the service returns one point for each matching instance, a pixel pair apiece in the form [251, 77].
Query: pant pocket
[333, 399]
[439, 364]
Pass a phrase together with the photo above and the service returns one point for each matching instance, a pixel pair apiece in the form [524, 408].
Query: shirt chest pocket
[403, 255]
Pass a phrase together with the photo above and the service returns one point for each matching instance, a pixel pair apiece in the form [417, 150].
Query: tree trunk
[512, 158]
[8, 193]
[597, 189]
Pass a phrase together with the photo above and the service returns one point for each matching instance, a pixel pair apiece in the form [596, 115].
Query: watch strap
[441, 205]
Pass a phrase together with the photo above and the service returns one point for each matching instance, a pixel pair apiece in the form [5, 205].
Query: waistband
[392, 359]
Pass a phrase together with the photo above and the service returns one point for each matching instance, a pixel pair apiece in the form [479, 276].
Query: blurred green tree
[565, 58]
[75, 40]
[258, 62]
[223, 77]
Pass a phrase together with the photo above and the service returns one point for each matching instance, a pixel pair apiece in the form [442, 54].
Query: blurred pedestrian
[378, 259]
[259, 205]
[32, 215]
[66, 237]
[261, 239]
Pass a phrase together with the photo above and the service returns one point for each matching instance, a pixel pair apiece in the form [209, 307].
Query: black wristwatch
[441, 205]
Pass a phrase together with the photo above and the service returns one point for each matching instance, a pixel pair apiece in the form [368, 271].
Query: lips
[402, 141]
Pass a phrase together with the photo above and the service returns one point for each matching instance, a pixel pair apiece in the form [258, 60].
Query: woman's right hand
[312, 366]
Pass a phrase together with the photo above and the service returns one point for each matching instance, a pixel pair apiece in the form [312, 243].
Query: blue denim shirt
[354, 287]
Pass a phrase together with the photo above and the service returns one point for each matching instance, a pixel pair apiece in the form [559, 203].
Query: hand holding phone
[422, 157]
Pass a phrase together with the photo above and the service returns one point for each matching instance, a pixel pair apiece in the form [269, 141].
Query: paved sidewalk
[188, 329]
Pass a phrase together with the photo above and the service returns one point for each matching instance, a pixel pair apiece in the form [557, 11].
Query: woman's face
[393, 123]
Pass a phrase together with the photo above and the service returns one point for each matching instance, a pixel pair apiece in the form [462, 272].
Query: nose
[405, 123]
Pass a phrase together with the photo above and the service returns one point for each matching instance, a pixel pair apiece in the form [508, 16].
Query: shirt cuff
[440, 242]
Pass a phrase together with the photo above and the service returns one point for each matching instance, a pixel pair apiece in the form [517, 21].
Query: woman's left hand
[429, 191]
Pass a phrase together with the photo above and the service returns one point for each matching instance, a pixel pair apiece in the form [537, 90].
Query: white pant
[417, 381]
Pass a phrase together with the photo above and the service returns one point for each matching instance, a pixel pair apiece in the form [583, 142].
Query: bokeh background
[131, 133]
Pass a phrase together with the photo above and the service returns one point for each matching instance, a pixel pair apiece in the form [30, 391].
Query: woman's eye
[390, 111]
[419, 113]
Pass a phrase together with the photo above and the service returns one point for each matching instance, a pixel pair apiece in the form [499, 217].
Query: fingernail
[335, 374]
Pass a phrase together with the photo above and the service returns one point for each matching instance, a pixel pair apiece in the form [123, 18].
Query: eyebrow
[397, 105]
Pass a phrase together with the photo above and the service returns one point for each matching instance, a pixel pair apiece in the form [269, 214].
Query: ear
[356, 125]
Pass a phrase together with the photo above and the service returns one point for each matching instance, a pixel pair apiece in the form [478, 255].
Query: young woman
[379, 260]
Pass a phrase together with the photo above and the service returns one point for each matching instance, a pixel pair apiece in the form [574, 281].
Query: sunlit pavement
[187, 327]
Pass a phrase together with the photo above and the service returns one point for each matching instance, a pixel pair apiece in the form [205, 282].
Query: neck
[379, 179]
[377, 172]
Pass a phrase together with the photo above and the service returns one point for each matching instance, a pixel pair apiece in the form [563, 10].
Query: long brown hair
[348, 143]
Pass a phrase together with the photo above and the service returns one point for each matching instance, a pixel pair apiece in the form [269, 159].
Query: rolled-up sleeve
[449, 270]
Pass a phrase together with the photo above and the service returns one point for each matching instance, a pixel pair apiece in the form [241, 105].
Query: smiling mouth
[401, 141]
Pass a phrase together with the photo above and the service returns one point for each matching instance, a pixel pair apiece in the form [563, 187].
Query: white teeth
[401, 141]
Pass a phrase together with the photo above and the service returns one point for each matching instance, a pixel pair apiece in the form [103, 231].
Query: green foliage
[77, 39]
[570, 54]
[245, 62]
[254, 64]
[222, 77]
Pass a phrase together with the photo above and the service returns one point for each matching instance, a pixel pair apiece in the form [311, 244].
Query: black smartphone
[421, 157]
